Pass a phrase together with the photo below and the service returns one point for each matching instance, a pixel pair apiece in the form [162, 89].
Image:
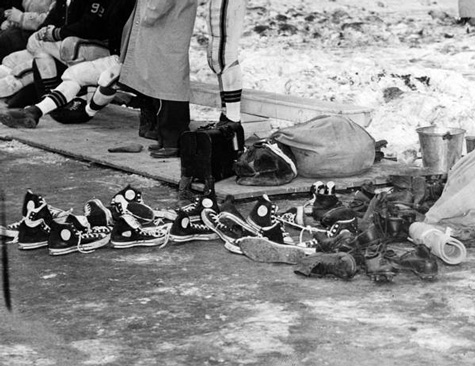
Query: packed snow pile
[412, 70]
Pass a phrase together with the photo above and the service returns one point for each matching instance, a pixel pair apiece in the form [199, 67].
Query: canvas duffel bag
[329, 146]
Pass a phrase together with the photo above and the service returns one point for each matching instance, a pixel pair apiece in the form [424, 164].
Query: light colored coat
[467, 8]
[156, 50]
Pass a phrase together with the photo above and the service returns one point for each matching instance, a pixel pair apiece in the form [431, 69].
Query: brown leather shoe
[155, 147]
[165, 152]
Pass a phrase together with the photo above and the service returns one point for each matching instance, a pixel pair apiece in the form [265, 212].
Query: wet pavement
[198, 304]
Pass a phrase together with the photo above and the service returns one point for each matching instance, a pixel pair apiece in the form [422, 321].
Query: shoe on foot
[72, 113]
[165, 152]
[261, 249]
[127, 233]
[341, 265]
[21, 118]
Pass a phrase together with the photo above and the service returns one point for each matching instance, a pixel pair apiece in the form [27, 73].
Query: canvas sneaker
[185, 229]
[193, 210]
[261, 249]
[350, 225]
[66, 238]
[97, 214]
[130, 194]
[229, 228]
[127, 233]
[33, 234]
[33, 209]
[82, 224]
[264, 215]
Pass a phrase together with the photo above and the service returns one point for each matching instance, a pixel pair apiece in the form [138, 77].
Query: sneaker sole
[85, 247]
[52, 251]
[263, 250]
[143, 243]
[28, 246]
[233, 248]
[8, 232]
[181, 239]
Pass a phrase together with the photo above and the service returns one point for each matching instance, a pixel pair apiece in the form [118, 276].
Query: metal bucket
[440, 147]
[470, 143]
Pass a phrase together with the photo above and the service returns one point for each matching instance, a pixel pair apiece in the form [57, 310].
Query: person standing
[467, 11]
[156, 65]
[225, 26]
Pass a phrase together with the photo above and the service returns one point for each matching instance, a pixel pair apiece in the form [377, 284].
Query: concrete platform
[117, 126]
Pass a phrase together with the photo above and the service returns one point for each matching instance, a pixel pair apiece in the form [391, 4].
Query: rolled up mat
[450, 250]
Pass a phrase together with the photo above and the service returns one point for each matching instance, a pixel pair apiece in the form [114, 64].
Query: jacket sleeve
[32, 21]
[155, 9]
[90, 25]
[54, 16]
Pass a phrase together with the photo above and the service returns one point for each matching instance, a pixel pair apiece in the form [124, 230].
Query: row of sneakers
[43, 225]
[335, 247]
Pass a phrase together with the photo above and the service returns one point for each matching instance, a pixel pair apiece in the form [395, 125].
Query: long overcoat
[155, 53]
[467, 8]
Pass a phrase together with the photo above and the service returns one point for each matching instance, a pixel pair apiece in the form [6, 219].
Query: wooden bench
[266, 105]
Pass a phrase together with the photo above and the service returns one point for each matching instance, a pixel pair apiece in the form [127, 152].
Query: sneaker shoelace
[192, 206]
[155, 232]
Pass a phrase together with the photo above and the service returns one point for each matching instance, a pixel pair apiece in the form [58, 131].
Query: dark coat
[83, 18]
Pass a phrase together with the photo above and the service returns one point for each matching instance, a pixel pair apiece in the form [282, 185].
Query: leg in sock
[225, 25]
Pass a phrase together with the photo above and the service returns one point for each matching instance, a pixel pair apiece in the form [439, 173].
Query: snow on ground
[411, 63]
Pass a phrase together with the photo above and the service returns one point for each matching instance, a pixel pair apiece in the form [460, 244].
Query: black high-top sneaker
[127, 194]
[229, 228]
[185, 229]
[31, 202]
[341, 265]
[378, 268]
[193, 210]
[97, 214]
[350, 225]
[65, 238]
[294, 217]
[33, 234]
[263, 216]
[82, 224]
[127, 233]
[323, 199]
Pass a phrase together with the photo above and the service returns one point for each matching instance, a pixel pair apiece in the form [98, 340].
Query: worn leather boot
[378, 268]
[419, 261]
